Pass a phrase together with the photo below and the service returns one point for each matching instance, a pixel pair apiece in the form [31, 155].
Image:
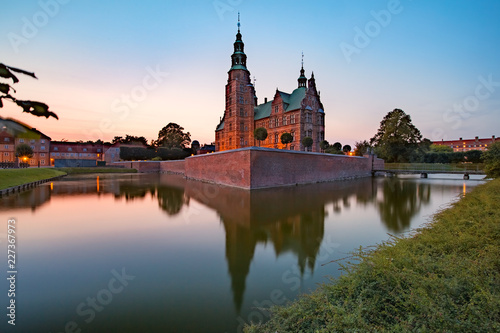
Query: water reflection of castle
[291, 219]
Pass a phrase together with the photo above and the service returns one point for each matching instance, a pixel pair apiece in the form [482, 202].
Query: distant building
[13, 133]
[112, 152]
[205, 149]
[299, 113]
[467, 144]
[63, 150]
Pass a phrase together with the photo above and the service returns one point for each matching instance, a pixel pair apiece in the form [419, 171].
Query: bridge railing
[478, 167]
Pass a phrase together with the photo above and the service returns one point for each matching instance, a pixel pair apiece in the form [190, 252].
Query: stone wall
[256, 167]
[176, 167]
[231, 167]
[141, 166]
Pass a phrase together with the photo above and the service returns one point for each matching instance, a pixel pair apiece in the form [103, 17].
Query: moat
[158, 253]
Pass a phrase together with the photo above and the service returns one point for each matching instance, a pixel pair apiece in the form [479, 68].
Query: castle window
[230, 113]
[241, 112]
[242, 101]
[310, 133]
[270, 123]
[292, 147]
[292, 119]
[241, 141]
[276, 121]
[276, 137]
[229, 141]
[242, 126]
[6, 139]
[242, 88]
[292, 132]
[284, 121]
[308, 118]
[21, 140]
[276, 109]
[230, 126]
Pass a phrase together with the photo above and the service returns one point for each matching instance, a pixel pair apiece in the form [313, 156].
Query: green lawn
[445, 278]
[14, 177]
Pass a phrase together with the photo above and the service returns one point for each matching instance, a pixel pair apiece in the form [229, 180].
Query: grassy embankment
[445, 278]
[14, 177]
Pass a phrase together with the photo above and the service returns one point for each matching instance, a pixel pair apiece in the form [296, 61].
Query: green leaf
[36, 108]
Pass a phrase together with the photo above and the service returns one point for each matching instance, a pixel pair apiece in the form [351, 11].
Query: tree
[324, 145]
[38, 109]
[473, 156]
[307, 142]
[346, 149]
[440, 149]
[286, 138]
[361, 147]
[173, 136]
[131, 140]
[260, 134]
[337, 146]
[491, 159]
[24, 151]
[397, 138]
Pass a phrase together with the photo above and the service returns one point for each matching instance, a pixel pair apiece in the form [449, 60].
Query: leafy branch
[38, 109]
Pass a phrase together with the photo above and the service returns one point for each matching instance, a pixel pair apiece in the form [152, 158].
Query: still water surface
[158, 253]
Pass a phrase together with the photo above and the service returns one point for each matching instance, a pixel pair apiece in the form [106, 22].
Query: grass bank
[14, 177]
[445, 278]
[83, 170]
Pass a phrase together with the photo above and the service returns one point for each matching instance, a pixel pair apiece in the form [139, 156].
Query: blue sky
[127, 67]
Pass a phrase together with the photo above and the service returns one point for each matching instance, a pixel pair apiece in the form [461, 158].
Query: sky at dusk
[111, 68]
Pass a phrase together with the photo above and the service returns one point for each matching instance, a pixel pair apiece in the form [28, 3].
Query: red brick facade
[13, 133]
[468, 144]
[300, 113]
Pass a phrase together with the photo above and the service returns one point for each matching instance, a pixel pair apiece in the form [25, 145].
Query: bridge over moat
[425, 170]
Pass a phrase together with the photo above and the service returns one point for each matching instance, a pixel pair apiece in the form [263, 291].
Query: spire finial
[302, 59]
[239, 22]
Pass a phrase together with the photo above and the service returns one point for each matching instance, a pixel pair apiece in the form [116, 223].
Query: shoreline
[17, 180]
[444, 277]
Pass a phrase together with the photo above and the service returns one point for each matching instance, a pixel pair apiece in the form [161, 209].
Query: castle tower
[302, 78]
[238, 123]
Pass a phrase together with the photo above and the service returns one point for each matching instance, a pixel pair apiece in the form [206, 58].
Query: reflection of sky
[69, 245]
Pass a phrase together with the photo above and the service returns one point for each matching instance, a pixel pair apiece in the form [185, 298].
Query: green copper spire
[239, 58]
[302, 78]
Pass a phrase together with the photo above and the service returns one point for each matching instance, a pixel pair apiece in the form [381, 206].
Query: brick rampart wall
[262, 167]
[256, 167]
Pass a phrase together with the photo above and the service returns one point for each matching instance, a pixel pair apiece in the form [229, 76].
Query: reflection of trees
[401, 201]
[171, 199]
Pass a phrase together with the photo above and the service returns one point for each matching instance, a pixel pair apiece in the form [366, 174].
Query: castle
[300, 113]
